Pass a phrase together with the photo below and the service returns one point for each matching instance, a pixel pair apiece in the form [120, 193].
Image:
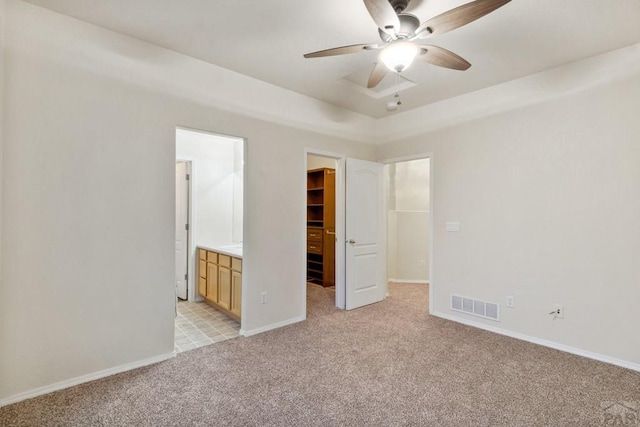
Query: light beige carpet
[388, 364]
[321, 301]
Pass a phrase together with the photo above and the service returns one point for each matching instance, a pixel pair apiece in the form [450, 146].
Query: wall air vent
[487, 310]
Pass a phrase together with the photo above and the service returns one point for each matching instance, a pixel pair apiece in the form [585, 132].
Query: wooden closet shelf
[320, 220]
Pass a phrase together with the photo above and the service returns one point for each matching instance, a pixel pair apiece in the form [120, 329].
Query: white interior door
[182, 221]
[365, 261]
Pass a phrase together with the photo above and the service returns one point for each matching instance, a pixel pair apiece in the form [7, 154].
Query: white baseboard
[271, 326]
[421, 282]
[542, 342]
[84, 379]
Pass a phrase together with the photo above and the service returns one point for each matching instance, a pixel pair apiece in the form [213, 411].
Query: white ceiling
[266, 40]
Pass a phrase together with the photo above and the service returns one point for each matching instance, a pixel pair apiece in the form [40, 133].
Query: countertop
[231, 250]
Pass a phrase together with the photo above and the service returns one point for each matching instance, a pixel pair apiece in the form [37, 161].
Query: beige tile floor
[199, 324]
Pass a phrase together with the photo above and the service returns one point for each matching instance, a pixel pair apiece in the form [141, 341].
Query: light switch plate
[453, 227]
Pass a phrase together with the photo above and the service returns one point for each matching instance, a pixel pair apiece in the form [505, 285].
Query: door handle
[351, 242]
[330, 232]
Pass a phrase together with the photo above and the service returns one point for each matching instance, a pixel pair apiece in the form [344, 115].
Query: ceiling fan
[400, 33]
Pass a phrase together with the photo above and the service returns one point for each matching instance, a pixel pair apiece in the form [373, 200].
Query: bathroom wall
[217, 186]
[237, 216]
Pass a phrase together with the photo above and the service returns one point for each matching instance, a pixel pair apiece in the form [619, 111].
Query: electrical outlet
[263, 298]
[559, 311]
[510, 302]
[422, 263]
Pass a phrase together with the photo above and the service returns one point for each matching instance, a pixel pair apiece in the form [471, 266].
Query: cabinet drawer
[212, 257]
[236, 264]
[314, 247]
[224, 260]
[314, 233]
[202, 254]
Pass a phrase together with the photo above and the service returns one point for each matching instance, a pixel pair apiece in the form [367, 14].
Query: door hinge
[188, 176]
[186, 277]
[186, 227]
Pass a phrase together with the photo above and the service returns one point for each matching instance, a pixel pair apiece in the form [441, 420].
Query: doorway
[183, 190]
[321, 236]
[210, 167]
[408, 208]
[360, 266]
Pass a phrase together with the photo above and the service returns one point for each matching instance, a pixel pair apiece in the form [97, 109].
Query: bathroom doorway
[213, 166]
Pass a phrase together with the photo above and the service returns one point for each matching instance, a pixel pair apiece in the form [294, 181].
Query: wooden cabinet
[225, 288]
[213, 283]
[236, 292]
[321, 223]
[314, 239]
[220, 281]
[202, 272]
[315, 272]
[329, 257]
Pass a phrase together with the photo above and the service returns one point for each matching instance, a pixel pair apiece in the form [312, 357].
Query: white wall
[2, 54]
[237, 223]
[317, 162]
[408, 220]
[88, 214]
[548, 201]
[215, 190]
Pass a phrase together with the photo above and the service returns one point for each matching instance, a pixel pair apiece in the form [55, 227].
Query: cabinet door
[236, 292]
[202, 286]
[212, 282]
[224, 295]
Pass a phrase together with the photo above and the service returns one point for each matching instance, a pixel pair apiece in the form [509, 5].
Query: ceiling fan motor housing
[408, 25]
[399, 5]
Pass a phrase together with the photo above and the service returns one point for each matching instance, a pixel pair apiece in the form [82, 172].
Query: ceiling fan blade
[458, 17]
[342, 50]
[383, 15]
[378, 73]
[443, 58]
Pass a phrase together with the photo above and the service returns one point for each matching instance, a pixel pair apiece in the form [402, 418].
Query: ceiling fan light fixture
[398, 56]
